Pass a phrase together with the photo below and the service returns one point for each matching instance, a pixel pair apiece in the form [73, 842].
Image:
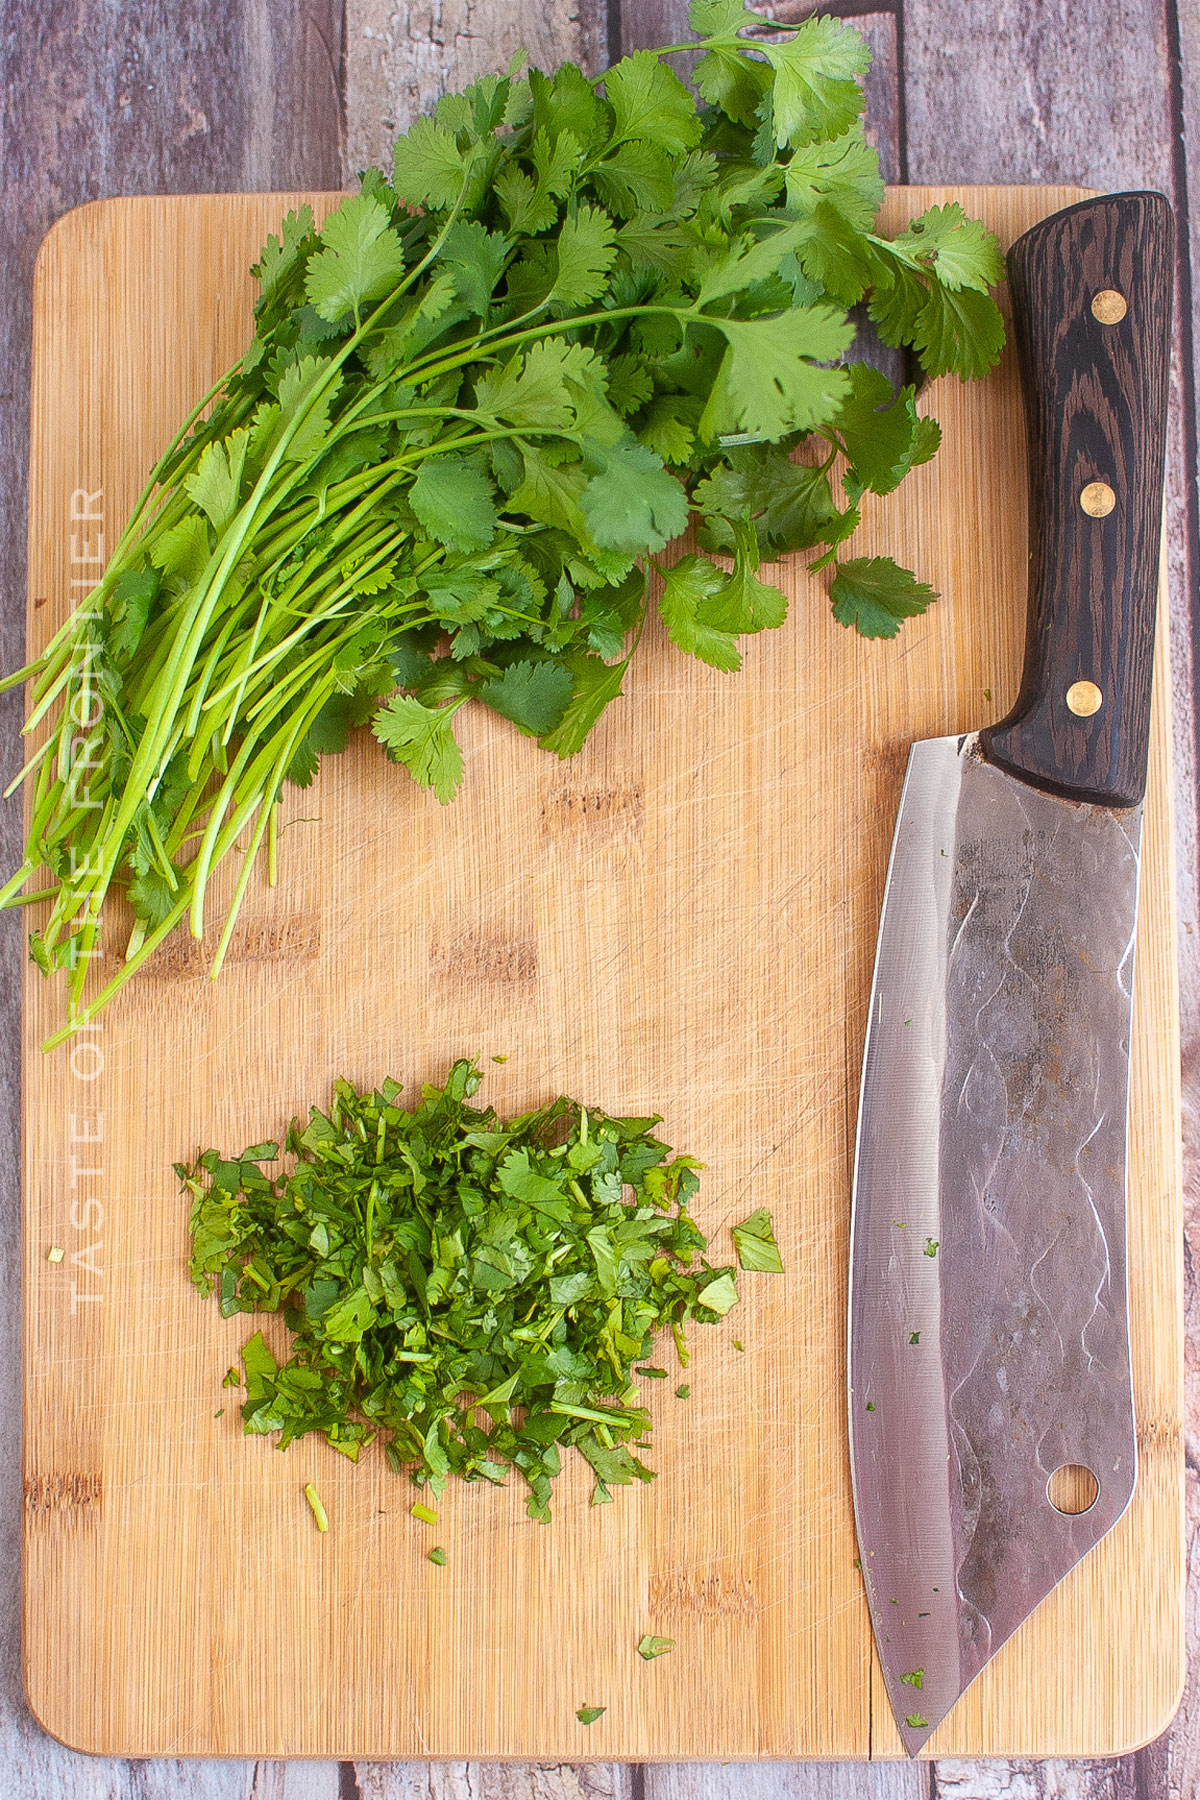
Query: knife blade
[988, 1328]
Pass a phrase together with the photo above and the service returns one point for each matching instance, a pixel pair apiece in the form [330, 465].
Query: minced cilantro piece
[649, 1647]
[587, 1715]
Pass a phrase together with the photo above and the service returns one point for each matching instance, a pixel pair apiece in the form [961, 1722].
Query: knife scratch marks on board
[62, 1492]
[706, 1593]
[602, 812]
[484, 955]
[255, 941]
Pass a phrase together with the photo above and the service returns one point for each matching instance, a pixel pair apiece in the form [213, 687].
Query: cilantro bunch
[479, 404]
[475, 1292]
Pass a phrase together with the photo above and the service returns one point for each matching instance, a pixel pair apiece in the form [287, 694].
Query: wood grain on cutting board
[682, 918]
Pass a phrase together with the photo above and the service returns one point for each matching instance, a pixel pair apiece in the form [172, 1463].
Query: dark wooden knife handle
[1091, 289]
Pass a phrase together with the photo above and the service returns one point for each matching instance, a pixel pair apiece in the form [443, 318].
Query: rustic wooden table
[123, 97]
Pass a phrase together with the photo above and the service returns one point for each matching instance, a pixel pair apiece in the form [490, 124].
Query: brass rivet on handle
[1109, 306]
[1084, 698]
[1097, 499]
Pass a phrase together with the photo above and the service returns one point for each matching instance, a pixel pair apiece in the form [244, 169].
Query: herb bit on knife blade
[479, 404]
[478, 1293]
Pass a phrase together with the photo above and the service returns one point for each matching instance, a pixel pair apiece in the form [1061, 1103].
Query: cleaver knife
[991, 1411]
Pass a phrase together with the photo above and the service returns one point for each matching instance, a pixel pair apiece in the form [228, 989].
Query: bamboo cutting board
[681, 918]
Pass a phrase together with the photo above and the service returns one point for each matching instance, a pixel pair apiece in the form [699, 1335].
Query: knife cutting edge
[991, 1410]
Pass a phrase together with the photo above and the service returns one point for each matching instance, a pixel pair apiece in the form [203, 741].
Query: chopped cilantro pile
[475, 1292]
[480, 402]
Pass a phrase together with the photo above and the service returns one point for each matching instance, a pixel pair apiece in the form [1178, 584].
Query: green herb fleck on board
[870, 1406]
[755, 1246]
[232, 1379]
[587, 1715]
[932, 1246]
[916, 1722]
[425, 1513]
[650, 1647]
[54, 1254]
[318, 1511]
[914, 1337]
[683, 1391]
[438, 1556]
[914, 1678]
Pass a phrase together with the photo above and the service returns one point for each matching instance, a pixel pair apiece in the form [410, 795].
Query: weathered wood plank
[490, 1781]
[787, 1781]
[1011, 92]
[402, 55]
[100, 99]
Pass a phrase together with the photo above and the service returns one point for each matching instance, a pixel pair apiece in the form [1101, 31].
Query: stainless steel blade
[989, 1340]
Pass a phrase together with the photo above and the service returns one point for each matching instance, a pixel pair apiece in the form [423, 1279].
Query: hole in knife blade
[1072, 1489]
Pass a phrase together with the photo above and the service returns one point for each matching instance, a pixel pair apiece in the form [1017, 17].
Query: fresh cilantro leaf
[360, 259]
[880, 430]
[632, 502]
[754, 1242]
[452, 498]
[790, 504]
[735, 83]
[914, 1678]
[816, 93]
[534, 695]
[306, 394]
[636, 177]
[687, 587]
[152, 896]
[595, 684]
[649, 1646]
[430, 169]
[541, 386]
[668, 426]
[961, 252]
[746, 604]
[215, 484]
[587, 1715]
[959, 333]
[875, 595]
[649, 101]
[129, 611]
[528, 206]
[833, 255]
[753, 259]
[567, 102]
[420, 737]
[843, 174]
[720, 18]
[586, 250]
[283, 254]
[551, 492]
[771, 381]
[477, 258]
